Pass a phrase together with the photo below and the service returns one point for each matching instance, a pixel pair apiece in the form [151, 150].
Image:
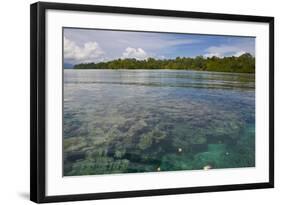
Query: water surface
[124, 121]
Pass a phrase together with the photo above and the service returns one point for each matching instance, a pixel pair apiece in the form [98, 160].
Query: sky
[92, 45]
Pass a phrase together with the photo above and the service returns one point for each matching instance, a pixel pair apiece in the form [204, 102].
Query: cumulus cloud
[239, 53]
[227, 50]
[210, 55]
[89, 52]
[136, 53]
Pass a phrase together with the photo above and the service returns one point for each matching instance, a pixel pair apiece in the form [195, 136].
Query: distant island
[242, 64]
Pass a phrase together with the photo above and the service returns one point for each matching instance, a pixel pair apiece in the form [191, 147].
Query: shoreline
[193, 70]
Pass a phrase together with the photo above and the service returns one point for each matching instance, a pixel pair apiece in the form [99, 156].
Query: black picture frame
[38, 101]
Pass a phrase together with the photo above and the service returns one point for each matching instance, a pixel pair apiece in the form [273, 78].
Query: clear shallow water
[124, 121]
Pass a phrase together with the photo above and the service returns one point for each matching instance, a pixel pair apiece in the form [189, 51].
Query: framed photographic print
[129, 102]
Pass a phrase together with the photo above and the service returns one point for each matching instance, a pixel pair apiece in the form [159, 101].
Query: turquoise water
[126, 121]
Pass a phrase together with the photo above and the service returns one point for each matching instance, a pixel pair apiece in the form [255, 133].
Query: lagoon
[128, 121]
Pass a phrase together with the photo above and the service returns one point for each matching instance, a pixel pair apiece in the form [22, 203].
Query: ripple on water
[147, 121]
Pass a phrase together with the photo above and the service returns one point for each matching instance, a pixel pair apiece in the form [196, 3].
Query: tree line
[242, 64]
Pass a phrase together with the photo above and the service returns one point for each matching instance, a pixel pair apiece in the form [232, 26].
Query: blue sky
[90, 45]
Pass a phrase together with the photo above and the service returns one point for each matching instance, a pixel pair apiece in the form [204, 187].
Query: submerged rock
[198, 140]
[150, 138]
[74, 144]
[145, 142]
[119, 153]
[101, 165]
[74, 156]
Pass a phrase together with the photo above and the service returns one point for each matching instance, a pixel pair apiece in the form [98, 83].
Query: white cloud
[153, 43]
[210, 55]
[136, 53]
[228, 50]
[89, 52]
[222, 49]
[239, 53]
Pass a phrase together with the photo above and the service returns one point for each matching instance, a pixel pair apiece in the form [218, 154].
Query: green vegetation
[242, 64]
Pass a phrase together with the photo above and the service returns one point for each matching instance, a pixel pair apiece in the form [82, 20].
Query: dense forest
[242, 64]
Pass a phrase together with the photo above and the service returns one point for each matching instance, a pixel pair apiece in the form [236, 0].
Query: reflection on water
[124, 121]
